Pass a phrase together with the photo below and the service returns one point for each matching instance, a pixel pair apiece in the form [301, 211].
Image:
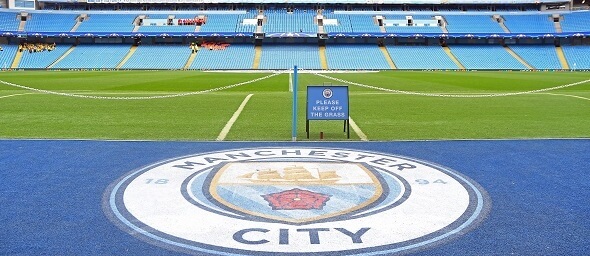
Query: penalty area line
[233, 119]
[357, 130]
[19, 94]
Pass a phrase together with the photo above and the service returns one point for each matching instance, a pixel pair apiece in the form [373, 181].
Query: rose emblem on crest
[296, 199]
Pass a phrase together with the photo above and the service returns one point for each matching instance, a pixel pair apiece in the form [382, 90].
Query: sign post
[327, 103]
[294, 121]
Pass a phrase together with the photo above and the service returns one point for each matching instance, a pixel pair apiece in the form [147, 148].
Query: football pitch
[234, 106]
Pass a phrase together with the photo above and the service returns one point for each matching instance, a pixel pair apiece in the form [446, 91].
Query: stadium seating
[577, 56]
[279, 21]
[235, 56]
[8, 21]
[576, 22]
[355, 57]
[343, 24]
[522, 23]
[108, 23]
[538, 56]
[363, 23]
[278, 56]
[7, 55]
[416, 28]
[42, 59]
[420, 57]
[158, 57]
[485, 57]
[94, 56]
[350, 19]
[221, 23]
[472, 24]
[46, 22]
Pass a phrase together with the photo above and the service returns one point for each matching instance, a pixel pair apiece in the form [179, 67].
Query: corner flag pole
[294, 122]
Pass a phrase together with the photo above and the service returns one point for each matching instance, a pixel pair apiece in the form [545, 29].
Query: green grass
[267, 116]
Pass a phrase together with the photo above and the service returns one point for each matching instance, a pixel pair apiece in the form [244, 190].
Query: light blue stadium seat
[286, 56]
[420, 57]
[50, 22]
[364, 24]
[235, 56]
[577, 56]
[94, 56]
[7, 55]
[355, 57]
[9, 21]
[538, 56]
[42, 59]
[529, 23]
[485, 57]
[108, 23]
[472, 24]
[343, 24]
[283, 22]
[158, 57]
[576, 22]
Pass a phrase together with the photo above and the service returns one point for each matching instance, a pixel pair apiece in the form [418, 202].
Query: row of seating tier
[279, 22]
[47, 22]
[577, 56]
[420, 57]
[278, 56]
[94, 56]
[108, 23]
[538, 56]
[42, 59]
[355, 56]
[523, 23]
[235, 56]
[576, 22]
[338, 56]
[485, 57]
[158, 57]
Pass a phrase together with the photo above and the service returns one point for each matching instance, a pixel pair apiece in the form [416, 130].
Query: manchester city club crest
[296, 201]
[327, 93]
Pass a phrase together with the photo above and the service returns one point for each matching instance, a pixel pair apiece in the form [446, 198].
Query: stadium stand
[364, 24]
[46, 22]
[283, 56]
[279, 21]
[472, 24]
[154, 56]
[108, 23]
[235, 56]
[485, 57]
[420, 57]
[221, 23]
[576, 22]
[93, 56]
[351, 35]
[538, 56]
[577, 56]
[522, 23]
[355, 57]
[8, 21]
[38, 60]
[342, 24]
[7, 55]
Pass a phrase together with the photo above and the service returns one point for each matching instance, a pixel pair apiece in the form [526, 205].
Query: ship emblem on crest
[294, 192]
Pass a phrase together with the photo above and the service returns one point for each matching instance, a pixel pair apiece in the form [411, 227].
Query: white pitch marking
[6, 96]
[567, 95]
[233, 119]
[357, 130]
